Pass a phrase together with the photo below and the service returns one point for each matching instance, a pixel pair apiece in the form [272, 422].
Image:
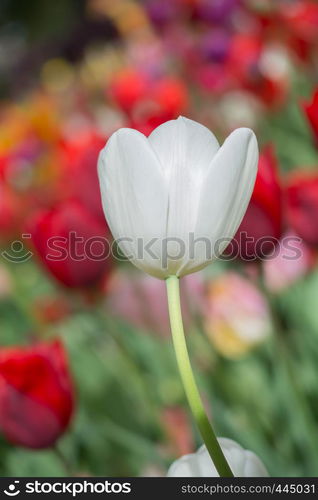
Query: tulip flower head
[36, 394]
[244, 463]
[80, 181]
[63, 238]
[174, 200]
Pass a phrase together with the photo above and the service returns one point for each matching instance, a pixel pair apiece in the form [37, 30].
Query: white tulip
[244, 463]
[163, 193]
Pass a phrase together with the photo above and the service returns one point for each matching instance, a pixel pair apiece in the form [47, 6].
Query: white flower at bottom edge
[244, 463]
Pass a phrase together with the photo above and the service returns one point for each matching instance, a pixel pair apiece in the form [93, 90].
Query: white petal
[135, 198]
[243, 463]
[185, 150]
[225, 194]
[186, 466]
[253, 466]
[184, 141]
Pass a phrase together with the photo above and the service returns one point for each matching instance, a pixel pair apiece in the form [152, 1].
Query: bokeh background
[88, 379]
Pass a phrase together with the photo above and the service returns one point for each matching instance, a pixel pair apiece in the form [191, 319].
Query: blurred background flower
[64, 238]
[71, 73]
[283, 269]
[237, 317]
[141, 301]
[36, 394]
[262, 223]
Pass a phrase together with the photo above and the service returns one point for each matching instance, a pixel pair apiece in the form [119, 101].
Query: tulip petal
[225, 194]
[244, 463]
[134, 196]
[186, 143]
[185, 150]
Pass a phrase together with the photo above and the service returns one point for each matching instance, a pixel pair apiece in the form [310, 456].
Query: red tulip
[166, 100]
[263, 219]
[72, 244]
[244, 54]
[311, 110]
[79, 156]
[300, 18]
[172, 96]
[128, 87]
[149, 103]
[260, 68]
[302, 206]
[36, 394]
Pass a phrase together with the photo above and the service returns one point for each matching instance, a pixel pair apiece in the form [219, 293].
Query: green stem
[188, 380]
